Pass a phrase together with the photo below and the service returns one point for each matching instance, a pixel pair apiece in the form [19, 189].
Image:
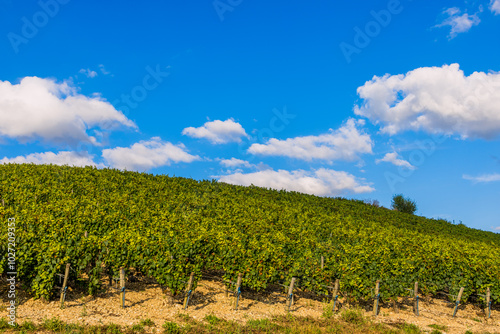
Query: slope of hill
[167, 227]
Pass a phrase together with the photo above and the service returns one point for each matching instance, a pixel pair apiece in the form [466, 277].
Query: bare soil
[147, 301]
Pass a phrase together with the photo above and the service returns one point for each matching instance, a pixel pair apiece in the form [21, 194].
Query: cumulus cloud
[394, 159]
[495, 6]
[146, 155]
[234, 162]
[39, 108]
[88, 73]
[321, 182]
[458, 22]
[60, 158]
[218, 132]
[345, 143]
[485, 178]
[436, 100]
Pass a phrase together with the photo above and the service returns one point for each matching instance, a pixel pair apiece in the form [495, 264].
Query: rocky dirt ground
[147, 301]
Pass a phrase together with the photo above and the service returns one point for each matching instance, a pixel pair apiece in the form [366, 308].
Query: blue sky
[335, 98]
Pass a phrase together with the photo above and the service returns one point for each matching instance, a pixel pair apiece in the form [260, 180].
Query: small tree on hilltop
[401, 204]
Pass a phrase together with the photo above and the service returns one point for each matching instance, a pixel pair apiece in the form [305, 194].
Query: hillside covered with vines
[167, 227]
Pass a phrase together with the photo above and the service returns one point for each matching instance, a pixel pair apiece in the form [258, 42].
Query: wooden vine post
[64, 286]
[122, 286]
[188, 290]
[458, 301]
[377, 297]
[322, 262]
[415, 303]
[85, 234]
[488, 303]
[335, 295]
[289, 297]
[238, 291]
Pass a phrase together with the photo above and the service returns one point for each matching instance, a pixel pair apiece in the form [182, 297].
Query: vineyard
[168, 227]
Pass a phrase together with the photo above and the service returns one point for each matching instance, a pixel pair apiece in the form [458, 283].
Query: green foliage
[171, 328]
[353, 316]
[168, 227]
[184, 316]
[53, 324]
[113, 329]
[147, 322]
[28, 325]
[328, 310]
[410, 329]
[260, 325]
[138, 328]
[4, 323]
[403, 204]
[438, 327]
[212, 319]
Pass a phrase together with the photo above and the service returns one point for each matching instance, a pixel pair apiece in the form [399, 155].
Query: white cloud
[218, 132]
[346, 143]
[60, 158]
[458, 22]
[495, 6]
[485, 178]
[394, 159]
[321, 182]
[233, 162]
[436, 100]
[145, 155]
[103, 69]
[54, 112]
[496, 228]
[88, 73]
